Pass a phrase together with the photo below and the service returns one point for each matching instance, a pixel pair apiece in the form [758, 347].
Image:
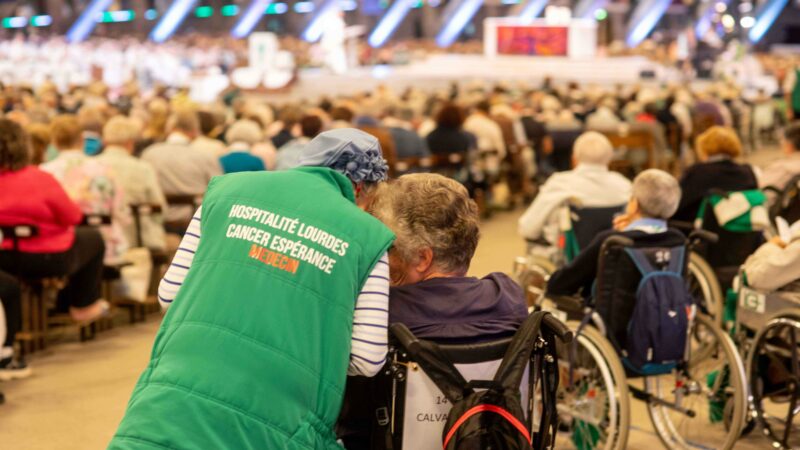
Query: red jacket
[30, 196]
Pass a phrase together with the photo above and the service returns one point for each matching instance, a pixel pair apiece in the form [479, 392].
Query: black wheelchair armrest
[558, 328]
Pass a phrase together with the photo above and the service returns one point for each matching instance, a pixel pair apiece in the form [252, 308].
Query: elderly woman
[242, 136]
[59, 249]
[265, 316]
[89, 183]
[654, 199]
[436, 224]
[716, 148]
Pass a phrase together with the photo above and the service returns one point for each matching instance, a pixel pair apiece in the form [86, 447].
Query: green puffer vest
[253, 353]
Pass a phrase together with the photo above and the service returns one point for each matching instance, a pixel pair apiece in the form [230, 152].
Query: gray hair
[430, 211]
[657, 193]
[121, 130]
[593, 148]
[246, 131]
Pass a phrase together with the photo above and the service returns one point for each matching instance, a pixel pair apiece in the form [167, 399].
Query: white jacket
[588, 184]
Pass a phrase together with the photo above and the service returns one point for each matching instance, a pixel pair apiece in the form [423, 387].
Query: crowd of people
[67, 156]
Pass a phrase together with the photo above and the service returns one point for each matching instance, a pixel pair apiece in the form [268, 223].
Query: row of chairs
[39, 324]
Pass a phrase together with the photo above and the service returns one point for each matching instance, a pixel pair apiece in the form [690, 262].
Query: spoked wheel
[704, 287]
[594, 409]
[532, 273]
[689, 405]
[774, 373]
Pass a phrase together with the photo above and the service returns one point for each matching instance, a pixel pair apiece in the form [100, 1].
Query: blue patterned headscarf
[351, 152]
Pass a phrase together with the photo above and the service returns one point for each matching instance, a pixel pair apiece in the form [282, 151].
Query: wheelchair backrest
[617, 282]
[732, 247]
[589, 222]
[420, 408]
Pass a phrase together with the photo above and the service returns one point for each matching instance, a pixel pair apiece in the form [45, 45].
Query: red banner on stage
[532, 40]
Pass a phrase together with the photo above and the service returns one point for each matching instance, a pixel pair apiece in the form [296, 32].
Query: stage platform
[438, 71]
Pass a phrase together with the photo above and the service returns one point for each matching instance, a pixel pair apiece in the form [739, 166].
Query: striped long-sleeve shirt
[370, 318]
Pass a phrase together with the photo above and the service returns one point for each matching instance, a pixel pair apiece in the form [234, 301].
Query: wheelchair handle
[681, 225]
[558, 327]
[404, 336]
[703, 235]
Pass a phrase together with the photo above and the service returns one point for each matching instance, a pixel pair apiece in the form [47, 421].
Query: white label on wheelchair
[426, 409]
[752, 300]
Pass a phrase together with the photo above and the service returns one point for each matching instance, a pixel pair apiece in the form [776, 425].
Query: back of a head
[310, 125]
[593, 148]
[184, 120]
[208, 122]
[121, 130]
[719, 141]
[450, 116]
[245, 131]
[66, 132]
[14, 146]
[792, 135]
[430, 210]
[657, 193]
[343, 114]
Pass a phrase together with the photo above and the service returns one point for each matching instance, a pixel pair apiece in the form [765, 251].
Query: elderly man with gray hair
[589, 184]
[137, 177]
[655, 198]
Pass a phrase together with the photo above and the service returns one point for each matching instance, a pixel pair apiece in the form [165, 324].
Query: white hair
[245, 131]
[121, 130]
[593, 148]
[657, 193]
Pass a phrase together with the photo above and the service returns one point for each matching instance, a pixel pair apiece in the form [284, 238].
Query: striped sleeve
[370, 323]
[176, 273]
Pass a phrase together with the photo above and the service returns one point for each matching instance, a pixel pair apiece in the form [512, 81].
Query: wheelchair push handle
[703, 235]
[616, 241]
[558, 328]
[404, 336]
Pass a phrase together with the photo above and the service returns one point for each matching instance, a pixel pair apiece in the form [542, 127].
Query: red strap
[488, 408]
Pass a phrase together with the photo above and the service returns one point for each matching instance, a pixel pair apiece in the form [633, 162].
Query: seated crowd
[57, 171]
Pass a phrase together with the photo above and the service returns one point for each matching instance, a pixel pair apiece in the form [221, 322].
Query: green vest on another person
[254, 351]
[796, 92]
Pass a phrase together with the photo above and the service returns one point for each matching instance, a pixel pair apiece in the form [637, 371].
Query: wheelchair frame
[684, 383]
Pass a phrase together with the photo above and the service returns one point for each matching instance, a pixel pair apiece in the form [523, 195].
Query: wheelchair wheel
[532, 273]
[773, 368]
[704, 287]
[688, 407]
[593, 410]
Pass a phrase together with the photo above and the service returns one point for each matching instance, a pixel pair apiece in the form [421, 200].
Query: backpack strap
[640, 260]
[645, 267]
[517, 357]
[430, 358]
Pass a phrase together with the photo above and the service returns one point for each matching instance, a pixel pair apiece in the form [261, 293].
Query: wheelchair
[577, 227]
[698, 402]
[417, 409]
[767, 328]
[784, 202]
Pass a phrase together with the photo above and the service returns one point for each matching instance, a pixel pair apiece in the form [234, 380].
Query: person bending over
[654, 199]
[279, 289]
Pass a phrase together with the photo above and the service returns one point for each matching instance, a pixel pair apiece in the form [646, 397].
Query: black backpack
[656, 337]
[493, 417]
